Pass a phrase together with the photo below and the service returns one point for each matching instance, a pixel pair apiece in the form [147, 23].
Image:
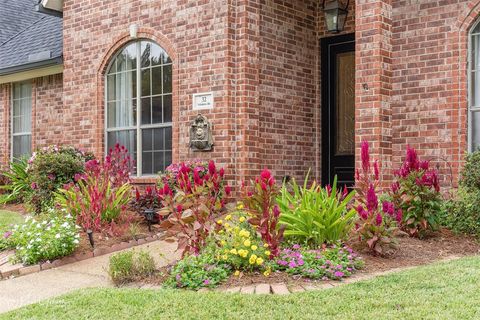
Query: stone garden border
[21, 270]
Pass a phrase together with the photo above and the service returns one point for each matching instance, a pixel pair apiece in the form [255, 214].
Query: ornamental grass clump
[259, 203]
[39, 240]
[99, 197]
[315, 215]
[190, 211]
[416, 191]
[376, 223]
[330, 263]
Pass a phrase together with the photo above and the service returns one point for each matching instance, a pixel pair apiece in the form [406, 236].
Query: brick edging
[24, 270]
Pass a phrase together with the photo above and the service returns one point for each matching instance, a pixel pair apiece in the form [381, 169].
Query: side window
[21, 116]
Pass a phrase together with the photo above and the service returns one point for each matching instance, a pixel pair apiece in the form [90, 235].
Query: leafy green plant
[17, 182]
[128, 266]
[315, 215]
[416, 192]
[470, 175]
[197, 271]
[39, 240]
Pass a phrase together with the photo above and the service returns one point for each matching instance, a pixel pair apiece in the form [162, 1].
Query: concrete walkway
[32, 288]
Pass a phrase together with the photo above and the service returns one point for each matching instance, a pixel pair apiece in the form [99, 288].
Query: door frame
[325, 64]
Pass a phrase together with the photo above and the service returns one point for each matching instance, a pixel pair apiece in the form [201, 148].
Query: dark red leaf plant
[191, 210]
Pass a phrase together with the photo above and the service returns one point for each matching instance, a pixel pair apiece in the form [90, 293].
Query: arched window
[139, 105]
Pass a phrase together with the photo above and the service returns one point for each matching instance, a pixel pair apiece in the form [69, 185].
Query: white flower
[65, 224]
[76, 241]
[57, 236]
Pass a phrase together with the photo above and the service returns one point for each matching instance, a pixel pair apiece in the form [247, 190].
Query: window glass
[21, 120]
[146, 67]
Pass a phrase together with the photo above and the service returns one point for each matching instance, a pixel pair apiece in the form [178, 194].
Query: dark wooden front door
[338, 109]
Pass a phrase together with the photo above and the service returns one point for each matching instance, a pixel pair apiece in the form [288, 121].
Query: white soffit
[56, 5]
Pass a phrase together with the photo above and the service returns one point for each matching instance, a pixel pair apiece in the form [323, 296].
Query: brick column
[374, 81]
[246, 89]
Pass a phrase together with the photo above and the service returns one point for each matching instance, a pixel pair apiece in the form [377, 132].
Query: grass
[440, 291]
[8, 218]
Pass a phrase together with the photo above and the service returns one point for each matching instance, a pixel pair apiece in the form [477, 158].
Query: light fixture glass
[335, 15]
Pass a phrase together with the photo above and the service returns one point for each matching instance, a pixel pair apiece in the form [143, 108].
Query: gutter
[31, 66]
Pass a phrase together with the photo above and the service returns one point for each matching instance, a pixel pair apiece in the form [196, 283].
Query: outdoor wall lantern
[335, 14]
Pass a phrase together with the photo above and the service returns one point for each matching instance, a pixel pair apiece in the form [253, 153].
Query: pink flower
[378, 219]
[372, 200]
[7, 234]
[375, 169]
[211, 167]
[34, 185]
[206, 282]
[228, 190]
[388, 208]
[362, 212]
[329, 189]
[399, 215]
[221, 172]
[365, 155]
[338, 274]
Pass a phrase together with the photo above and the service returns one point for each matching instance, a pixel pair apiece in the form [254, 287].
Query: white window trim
[12, 100]
[138, 98]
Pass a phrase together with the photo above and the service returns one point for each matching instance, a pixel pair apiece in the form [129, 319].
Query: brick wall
[429, 92]
[47, 114]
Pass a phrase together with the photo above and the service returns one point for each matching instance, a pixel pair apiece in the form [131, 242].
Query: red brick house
[280, 89]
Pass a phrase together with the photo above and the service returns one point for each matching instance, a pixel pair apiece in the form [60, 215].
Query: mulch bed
[411, 252]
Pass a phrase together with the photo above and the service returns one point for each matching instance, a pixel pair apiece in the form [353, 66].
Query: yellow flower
[265, 245]
[227, 225]
[236, 229]
[254, 247]
[228, 217]
[237, 273]
[229, 229]
[240, 206]
[253, 259]
[242, 219]
[266, 273]
[243, 253]
[223, 242]
[220, 232]
[246, 243]
[233, 251]
[259, 261]
[219, 221]
[267, 253]
[225, 257]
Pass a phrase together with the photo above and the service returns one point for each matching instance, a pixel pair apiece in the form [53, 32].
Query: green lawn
[440, 291]
[8, 218]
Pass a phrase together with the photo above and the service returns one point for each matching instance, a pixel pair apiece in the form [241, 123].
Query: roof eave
[31, 66]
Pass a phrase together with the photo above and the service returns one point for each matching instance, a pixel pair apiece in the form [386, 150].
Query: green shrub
[17, 183]
[470, 176]
[462, 213]
[38, 240]
[315, 215]
[195, 272]
[50, 169]
[128, 266]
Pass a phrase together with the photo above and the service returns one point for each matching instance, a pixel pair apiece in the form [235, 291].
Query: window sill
[144, 180]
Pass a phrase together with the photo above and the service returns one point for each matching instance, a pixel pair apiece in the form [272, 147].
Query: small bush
[128, 266]
[335, 262]
[416, 192]
[315, 215]
[462, 213]
[16, 183]
[197, 271]
[50, 169]
[39, 240]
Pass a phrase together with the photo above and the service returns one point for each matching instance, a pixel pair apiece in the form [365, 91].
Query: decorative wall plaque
[201, 134]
